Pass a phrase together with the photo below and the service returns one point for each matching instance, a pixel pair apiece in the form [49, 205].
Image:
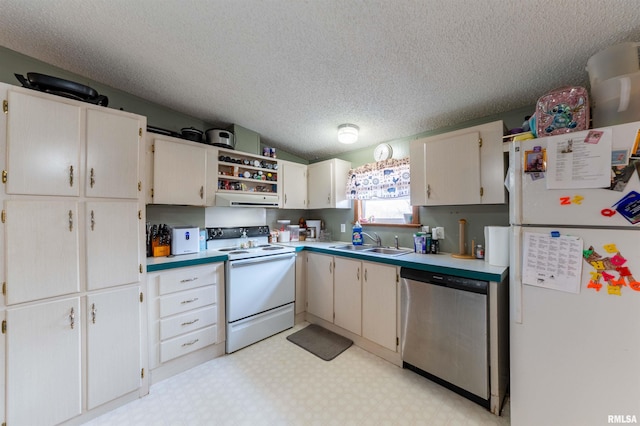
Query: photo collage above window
[383, 179]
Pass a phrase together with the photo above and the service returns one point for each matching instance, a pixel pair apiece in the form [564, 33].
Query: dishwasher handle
[444, 280]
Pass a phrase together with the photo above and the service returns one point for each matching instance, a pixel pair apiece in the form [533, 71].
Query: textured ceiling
[293, 70]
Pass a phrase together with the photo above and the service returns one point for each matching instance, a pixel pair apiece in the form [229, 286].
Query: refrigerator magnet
[593, 136]
[535, 161]
[629, 207]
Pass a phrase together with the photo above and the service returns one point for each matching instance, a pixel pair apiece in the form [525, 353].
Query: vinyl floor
[275, 382]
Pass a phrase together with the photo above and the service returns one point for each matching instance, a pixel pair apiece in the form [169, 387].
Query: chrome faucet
[377, 239]
[396, 238]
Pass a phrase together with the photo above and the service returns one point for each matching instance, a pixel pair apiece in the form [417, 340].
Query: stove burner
[273, 248]
[263, 245]
[226, 249]
[238, 252]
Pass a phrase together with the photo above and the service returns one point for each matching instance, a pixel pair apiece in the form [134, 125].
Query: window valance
[383, 179]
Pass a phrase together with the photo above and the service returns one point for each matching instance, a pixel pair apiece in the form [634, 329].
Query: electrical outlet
[343, 227]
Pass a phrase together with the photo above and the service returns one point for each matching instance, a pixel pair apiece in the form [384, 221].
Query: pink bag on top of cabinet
[562, 110]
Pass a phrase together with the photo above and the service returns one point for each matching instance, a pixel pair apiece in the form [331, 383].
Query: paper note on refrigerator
[552, 262]
[574, 162]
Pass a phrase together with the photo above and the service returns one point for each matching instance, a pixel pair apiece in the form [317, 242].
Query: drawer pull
[193, 342]
[188, 280]
[191, 322]
[188, 301]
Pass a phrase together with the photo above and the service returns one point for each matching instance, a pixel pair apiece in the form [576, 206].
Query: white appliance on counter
[185, 240]
[260, 284]
[574, 295]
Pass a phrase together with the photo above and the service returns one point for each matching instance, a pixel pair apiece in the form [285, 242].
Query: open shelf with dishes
[240, 171]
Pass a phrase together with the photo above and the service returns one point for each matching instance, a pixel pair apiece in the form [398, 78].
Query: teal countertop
[180, 261]
[440, 263]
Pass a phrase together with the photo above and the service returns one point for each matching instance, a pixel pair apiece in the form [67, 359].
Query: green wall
[157, 115]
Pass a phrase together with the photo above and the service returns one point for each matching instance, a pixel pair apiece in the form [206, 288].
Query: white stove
[259, 284]
[243, 242]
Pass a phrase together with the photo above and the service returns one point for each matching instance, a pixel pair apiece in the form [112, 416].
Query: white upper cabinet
[458, 168]
[44, 139]
[179, 173]
[112, 247]
[42, 249]
[112, 154]
[294, 185]
[327, 183]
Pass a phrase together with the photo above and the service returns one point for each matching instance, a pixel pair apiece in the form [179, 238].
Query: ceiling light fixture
[347, 133]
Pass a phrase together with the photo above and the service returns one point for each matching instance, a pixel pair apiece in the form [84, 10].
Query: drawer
[187, 343]
[183, 301]
[189, 321]
[190, 277]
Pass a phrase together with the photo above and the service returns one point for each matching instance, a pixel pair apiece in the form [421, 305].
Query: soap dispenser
[356, 234]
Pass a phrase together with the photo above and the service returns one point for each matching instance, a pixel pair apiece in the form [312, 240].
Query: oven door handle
[262, 259]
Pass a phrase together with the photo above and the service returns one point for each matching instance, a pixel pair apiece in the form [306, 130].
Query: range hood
[247, 200]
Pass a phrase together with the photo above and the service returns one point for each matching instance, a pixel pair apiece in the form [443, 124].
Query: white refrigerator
[574, 272]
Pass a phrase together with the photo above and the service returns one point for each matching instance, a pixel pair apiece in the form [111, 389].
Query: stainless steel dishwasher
[445, 331]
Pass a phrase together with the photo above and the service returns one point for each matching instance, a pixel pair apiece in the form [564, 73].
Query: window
[381, 193]
[386, 212]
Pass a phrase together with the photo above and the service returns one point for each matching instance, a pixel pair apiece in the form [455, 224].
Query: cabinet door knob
[93, 313]
[70, 221]
[202, 192]
[71, 176]
[93, 220]
[92, 178]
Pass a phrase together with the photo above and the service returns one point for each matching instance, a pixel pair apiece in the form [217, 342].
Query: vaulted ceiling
[293, 70]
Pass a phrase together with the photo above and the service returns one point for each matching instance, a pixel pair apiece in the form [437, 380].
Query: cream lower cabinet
[113, 344]
[347, 294]
[186, 311]
[358, 296]
[301, 282]
[43, 363]
[379, 304]
[320, 285]
[49, 390]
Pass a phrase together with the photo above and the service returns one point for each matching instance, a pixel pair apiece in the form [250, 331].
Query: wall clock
[382, 152]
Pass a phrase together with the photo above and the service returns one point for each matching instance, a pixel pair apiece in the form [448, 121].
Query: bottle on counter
[356, 234]
[479, 252]
[244, 240]
[435, 244]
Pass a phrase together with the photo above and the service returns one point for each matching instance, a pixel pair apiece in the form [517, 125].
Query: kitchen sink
[389, 251]
[353, 248]
[368, 248]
